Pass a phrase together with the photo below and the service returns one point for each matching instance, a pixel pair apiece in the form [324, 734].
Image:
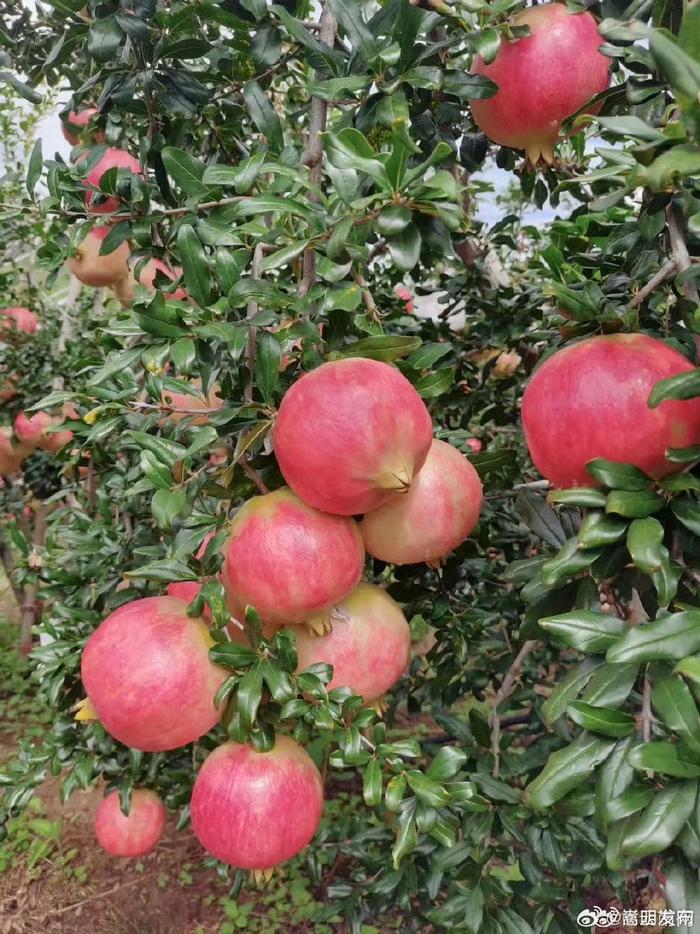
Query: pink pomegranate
[92, 268]
[369, 645]
[436, 515]
[134, 834]
[148, 676]
[11, 454]
[111, 158]
[288, 560]
[19, 320]
[255, 810]
[125, 289]
[351, 434]
[542, 79]
[474, 445]
[181, 405]
[590, 400]
[35, 431]
[77, 122]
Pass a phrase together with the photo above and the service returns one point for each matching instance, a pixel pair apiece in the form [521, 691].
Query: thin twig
[254, 476]
[669, 268]
[251, 311]
[504, 691]
[162, 407]
[367, 298]
[681, 256]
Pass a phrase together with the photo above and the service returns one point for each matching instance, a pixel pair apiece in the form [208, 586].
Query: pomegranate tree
[132, 834]
[351, 434]
[148, 676]
[255, 810]
[288, 560]
[436, 515]
[110, 159]
[369, 645]
[94, 268]
[590, 400]
[542, 79]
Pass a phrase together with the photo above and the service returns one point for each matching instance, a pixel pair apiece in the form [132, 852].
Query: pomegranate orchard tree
[315, 550]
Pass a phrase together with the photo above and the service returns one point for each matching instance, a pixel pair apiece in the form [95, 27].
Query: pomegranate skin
[255, 810]
[542, 79]
[135, 834]
[93, 269]
[77, 122]
[147, 673]
[590, 400]
[11, 454]
[369, 645]
[288, 560]
[183, 400]
[434, 517]
[351, 434]
[110, 159]
[19, 319]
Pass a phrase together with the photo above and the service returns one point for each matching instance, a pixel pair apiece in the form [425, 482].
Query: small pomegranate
[590, 400]
[255, 810]
[350, 434]
[111, 158]
[542, 79]
[288, 560]
[17, 319]
[76, 123]
[92, 268]
[369, 645]
[436, 515]
[148, 676]
[474, 445]
[134, 834]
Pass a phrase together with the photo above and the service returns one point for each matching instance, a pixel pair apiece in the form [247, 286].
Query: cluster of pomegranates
[353, 439]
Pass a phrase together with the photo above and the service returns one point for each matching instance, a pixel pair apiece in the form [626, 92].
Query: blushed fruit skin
[147, 672]
[90, 268]
[134, 834]
[255, 810]
[19, 319]
[590, 400]
[542, 79]
[109, 159]
[434, 517]
[34, 432]
[11, 454]
[351, 434]
[369, 645]
[288, 560]
[75, 124]
[183, 400]
[147, 278]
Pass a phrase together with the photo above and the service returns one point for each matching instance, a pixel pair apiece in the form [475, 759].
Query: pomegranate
[255, 810]
[111, 158]
[474, 445]
[77, 122]
[369, 645]
[288, 560]
[18, 319]
[148, 676]
[436, 515]
[542, 79]
[351, 434]
[125, 289]
[35, 432]
[181, 405]
[95, 269]
[8, 389]
[11, 454]
[134, 834]
[590, 400]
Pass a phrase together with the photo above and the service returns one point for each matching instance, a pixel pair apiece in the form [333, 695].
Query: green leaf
[395, 790]
[384, 347]
[601, 719]
[585, 630]
[393, 219]
[428, 355]
[674, 704]
[283, 256]
[35, 167]
[372, 784]
[349, 15]
[629, 802]
[167, 506]
[167, 571]
[263, 115]
[116, 362]
[436, 383]
[618, 476]
[610, 685]
[689, 667]
[249, 695]
[661, 821]
[186, 171]
[195, 266]
[446, 764]
[233, 655]
[566, 769]
[663, 757]
[568, 688]
[267, 363]
[614, 777]
[644, 539]
[541, 518]
[683, 386]
[687, 511]
[634, 505]
[104, 38]
[429, 791]
[597, 530]
[406, 836]
[586, 497]
[405, 247]
[667, 639]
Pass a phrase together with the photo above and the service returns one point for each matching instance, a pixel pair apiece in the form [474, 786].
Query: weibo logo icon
[598, 917]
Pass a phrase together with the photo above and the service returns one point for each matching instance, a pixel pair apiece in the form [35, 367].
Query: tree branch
[669, 268]
[504, 691]
[251, 311]
[680, 252]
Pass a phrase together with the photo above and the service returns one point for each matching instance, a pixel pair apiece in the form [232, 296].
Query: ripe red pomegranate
[110, 159]
[542, 79]
[369, 645]
[34, 431]
[436, 515]
[125, 289]
[148, 676]
[288, 560]
[350, 434]
[11, 454]
[590, 400]
[77, 122]
[94, 269]
[134, 834]
[255, 810]
[18, 320]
